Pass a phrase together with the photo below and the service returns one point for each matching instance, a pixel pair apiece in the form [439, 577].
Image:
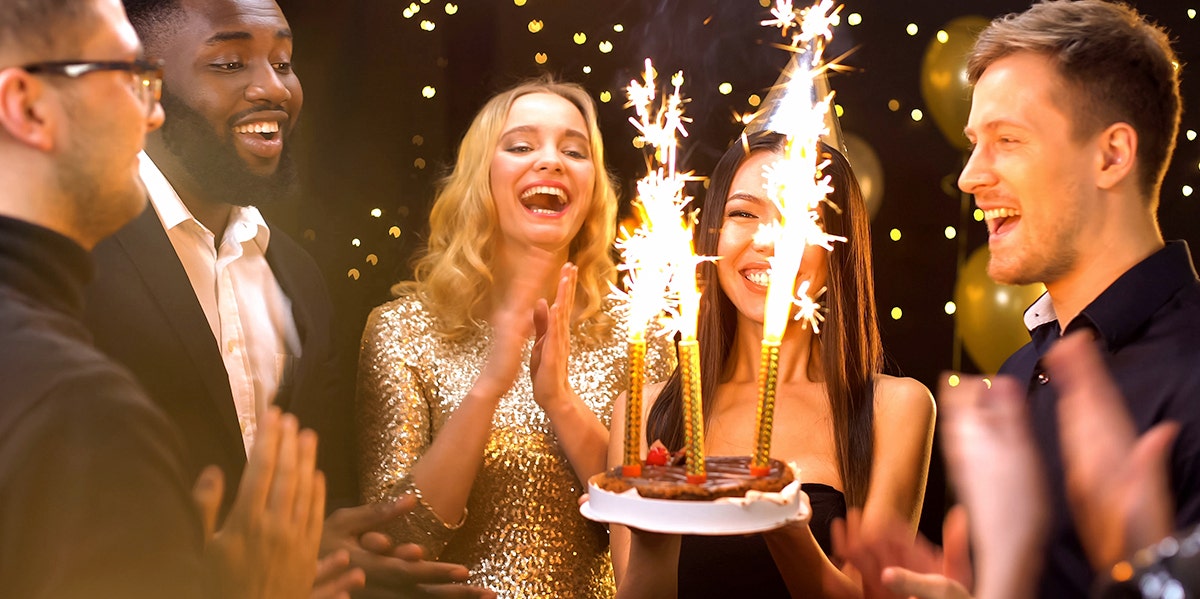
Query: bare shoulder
[902, 397]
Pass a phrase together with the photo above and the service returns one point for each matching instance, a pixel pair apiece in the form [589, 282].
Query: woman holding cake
[858, 437]
[461, 403]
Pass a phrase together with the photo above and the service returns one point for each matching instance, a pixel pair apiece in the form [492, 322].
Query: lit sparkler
[660, 265]
[797, 187]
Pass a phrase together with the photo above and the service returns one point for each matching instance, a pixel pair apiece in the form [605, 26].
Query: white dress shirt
[248, 312]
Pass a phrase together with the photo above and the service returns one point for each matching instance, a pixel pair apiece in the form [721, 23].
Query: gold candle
[693, 418]
[768, 375]
[632, 465]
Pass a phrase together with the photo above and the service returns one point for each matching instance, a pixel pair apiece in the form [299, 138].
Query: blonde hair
[453, 276]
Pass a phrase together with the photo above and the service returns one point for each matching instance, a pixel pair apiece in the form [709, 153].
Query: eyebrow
[534, 128]
[746, 197]
[234, 36]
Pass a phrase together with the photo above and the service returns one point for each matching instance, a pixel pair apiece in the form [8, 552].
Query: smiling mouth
[544, 199]
[762, 278]
[267, 129]
[997, 218]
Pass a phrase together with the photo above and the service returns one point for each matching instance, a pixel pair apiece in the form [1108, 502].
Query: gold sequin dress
[523, 535]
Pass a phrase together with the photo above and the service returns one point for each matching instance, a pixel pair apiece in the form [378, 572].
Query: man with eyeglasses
[93, 501]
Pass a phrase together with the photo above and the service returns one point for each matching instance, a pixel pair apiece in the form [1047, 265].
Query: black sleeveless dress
[741, 566]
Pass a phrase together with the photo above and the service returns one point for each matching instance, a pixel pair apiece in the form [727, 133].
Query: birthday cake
[730, 500]
[726, 476]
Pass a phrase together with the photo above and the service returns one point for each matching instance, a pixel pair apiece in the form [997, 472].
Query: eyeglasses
[146, 75]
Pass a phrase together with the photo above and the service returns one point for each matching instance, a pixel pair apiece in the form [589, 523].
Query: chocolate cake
[728, 476]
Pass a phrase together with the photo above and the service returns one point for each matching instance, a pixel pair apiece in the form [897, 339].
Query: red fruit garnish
[657, 456]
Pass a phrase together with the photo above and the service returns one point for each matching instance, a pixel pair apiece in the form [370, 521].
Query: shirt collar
[245, 222]
[1121, 309]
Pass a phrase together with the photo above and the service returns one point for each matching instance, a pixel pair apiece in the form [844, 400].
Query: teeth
[1000, 213]
[261, 127]
[758, 277]
[542, 211]
[545, 190]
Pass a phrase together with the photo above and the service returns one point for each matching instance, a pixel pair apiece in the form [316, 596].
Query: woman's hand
[552, 348]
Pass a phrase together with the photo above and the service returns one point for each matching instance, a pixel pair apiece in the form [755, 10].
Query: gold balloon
[867, 169]
[944, 84]
[989, 315]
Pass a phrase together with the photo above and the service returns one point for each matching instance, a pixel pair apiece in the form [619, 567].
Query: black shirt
[1148, 326]
[93, 502]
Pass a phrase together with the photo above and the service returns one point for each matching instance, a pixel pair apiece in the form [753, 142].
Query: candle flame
[658, 257]
[795, 182]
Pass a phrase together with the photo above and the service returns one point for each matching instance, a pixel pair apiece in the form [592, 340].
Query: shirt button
[1042, 379]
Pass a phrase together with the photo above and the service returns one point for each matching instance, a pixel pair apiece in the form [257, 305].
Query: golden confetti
[605, 96]
[953, 380]
[897, 313]
[911, 29]
[951, 308]
[418, 140]
[951, 232]
[754, 100]
[310, 235]
[376, 212]
[618, 28]
[893, 105]
[917, 115]
[587, 69]
[605, 46]
[428, 91]
[942, 36]
[372, 259]
[451, 9]
[427, 25]
[519, 2]
[837, 108]
[535, 25]
[355, 242]
[894, 234]
[725, 88]
[353, 274]
[854, 19]
[419, 163]
[580, 38]
[540, 58]
[394, 231]
[408, 13]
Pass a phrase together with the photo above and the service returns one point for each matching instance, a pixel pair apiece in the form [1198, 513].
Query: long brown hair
[851, 353]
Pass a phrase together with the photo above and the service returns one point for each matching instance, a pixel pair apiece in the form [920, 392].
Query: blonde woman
[486, 387]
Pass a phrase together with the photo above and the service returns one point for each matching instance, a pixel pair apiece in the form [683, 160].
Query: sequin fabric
[523, 535]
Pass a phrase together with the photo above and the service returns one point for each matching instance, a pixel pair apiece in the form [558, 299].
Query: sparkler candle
[660, 264]
[795, 185]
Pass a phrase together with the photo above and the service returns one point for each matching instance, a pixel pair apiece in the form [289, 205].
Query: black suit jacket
[143, 312]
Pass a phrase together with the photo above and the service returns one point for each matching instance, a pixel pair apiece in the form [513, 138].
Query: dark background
[372, 145]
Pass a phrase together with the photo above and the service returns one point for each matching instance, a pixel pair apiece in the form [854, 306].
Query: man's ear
[26, 113]
[1117, 145]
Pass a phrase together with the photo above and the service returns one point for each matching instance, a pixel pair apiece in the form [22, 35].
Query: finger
[1098, 418]
[316, 509]
[376, 542]
[398, 573]
[923, 586]
[956, 546]
[260, 466]
[306, 474]
[207, 493]
[359, 519]
[1150, 461]
[283, 485]
[409, 551]
[331, 565]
